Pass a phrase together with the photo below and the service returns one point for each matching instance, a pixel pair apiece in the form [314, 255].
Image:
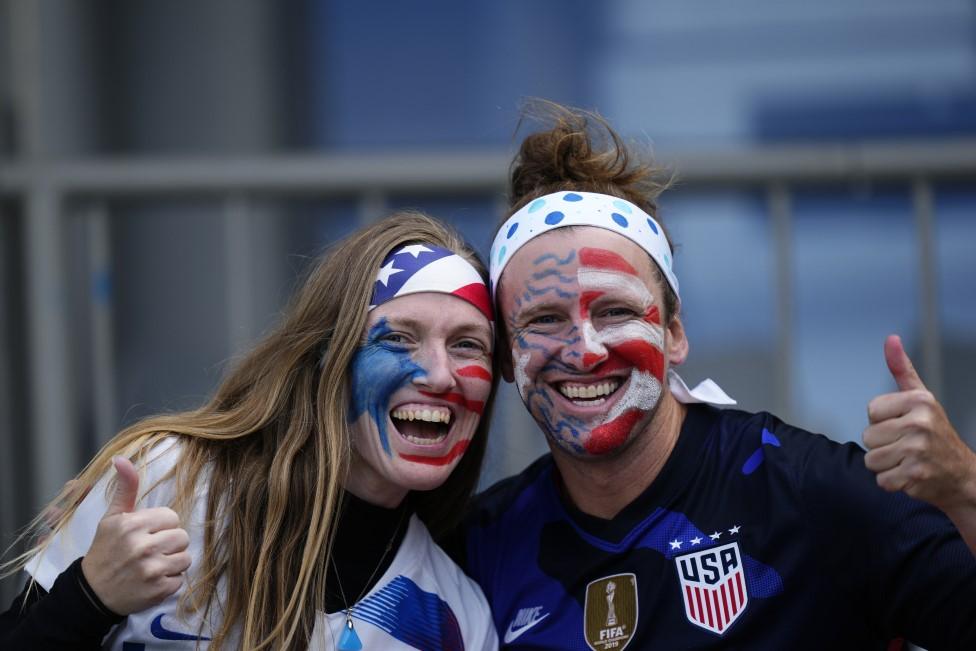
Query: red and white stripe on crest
[713, 602]
[715, 608]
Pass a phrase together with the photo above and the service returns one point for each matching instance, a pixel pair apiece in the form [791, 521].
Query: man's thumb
[126, 487]
[900, 365]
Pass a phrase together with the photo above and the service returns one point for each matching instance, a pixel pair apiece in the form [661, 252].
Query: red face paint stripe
[476, 406]
[642, 355]
[653, 315]
[459, 448]
[475, 372]
[610, 436]
[603, 259]
[592, 359]
[586, 298]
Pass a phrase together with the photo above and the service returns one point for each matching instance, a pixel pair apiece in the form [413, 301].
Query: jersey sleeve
[899, 560]
[74, 539]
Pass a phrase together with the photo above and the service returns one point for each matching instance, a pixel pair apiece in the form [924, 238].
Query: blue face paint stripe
[379, 368]
[552, 256]
[539, 275]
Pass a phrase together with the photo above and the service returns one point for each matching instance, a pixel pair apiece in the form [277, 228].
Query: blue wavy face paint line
[379, 368]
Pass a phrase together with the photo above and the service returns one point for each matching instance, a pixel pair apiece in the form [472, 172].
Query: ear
[677, 342]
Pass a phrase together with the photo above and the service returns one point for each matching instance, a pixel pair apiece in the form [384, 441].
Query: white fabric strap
[707, 391]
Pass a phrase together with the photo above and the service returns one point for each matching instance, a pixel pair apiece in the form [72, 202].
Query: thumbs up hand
[912, 446]
[138, 556]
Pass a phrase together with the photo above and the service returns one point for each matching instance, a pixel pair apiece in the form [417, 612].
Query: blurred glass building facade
[167, 169]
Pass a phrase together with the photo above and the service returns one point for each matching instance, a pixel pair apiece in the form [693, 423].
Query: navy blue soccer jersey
[755, 535]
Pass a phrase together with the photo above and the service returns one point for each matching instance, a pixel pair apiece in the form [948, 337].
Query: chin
[416, 476]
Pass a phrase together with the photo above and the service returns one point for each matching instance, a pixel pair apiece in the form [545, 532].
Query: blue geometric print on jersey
[756, 458]
[415, 617]
[662, 526]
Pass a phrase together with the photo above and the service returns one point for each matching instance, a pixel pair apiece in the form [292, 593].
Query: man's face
[583, 316]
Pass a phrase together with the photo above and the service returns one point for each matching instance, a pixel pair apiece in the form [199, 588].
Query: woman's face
[419, 383]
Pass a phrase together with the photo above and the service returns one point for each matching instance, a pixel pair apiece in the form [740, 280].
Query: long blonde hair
[275, 441]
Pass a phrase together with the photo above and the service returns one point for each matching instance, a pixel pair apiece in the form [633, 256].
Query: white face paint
[521, 378]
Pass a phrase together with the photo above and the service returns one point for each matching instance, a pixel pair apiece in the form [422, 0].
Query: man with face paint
[660, 521]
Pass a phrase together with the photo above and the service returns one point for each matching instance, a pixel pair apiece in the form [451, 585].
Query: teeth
[591, 391]
[429, 415]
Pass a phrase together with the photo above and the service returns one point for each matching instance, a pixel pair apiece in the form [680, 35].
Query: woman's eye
[471, 346]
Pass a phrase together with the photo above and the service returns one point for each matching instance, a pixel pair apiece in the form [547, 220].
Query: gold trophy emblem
[610, 612]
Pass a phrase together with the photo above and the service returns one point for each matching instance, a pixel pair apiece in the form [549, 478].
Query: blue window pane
[856, 282]
[725, 262]
[476, 217]
[955, 246]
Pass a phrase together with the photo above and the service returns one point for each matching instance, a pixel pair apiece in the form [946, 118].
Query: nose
[584, 350]
[439, 372]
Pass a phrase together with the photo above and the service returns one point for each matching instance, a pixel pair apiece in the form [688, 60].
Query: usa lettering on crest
[713, 586]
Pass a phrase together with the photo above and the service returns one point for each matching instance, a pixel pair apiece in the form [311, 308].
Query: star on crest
[716, 535]
[415, 250]
[386, 271]
[734, 530]
[696, 541]
[675, 544]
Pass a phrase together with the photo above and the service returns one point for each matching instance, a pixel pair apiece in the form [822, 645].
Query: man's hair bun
[580, 151]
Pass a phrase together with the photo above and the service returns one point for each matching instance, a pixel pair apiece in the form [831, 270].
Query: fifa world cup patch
[713, 586]
[610, 612]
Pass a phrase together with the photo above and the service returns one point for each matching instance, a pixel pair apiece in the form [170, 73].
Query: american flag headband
[416, 268]
[562, 209]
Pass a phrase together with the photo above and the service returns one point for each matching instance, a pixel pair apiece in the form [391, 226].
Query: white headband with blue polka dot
[562, 209]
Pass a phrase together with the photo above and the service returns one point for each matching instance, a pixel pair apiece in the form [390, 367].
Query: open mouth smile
[589, 394]
[422, 424]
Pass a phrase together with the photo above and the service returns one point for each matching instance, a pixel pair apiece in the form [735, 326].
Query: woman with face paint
[296, 508]
[659, 521]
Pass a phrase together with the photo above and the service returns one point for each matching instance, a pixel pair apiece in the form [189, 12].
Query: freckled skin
[585, 314]
[407, 357]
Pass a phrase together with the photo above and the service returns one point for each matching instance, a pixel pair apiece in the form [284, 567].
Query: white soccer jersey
[422, 601]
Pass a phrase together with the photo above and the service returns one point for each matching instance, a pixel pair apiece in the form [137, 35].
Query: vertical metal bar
[928, 286]
[779, 204]
[55, 452]
[9, 512]
[238, 241]
[104, 386]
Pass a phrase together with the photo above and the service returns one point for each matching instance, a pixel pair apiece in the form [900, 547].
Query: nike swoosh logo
[162, 633]
[511, 635]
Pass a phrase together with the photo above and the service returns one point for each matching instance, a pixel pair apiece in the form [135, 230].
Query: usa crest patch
[713, 586]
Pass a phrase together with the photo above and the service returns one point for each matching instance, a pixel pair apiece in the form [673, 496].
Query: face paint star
[734, 530]
[675, 544]
[415, 249]
[716, 535]
[386, 271]
[696, 541]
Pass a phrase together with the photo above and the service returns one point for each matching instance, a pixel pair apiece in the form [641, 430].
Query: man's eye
[545, 319]
[617, 312]
[394, 338]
